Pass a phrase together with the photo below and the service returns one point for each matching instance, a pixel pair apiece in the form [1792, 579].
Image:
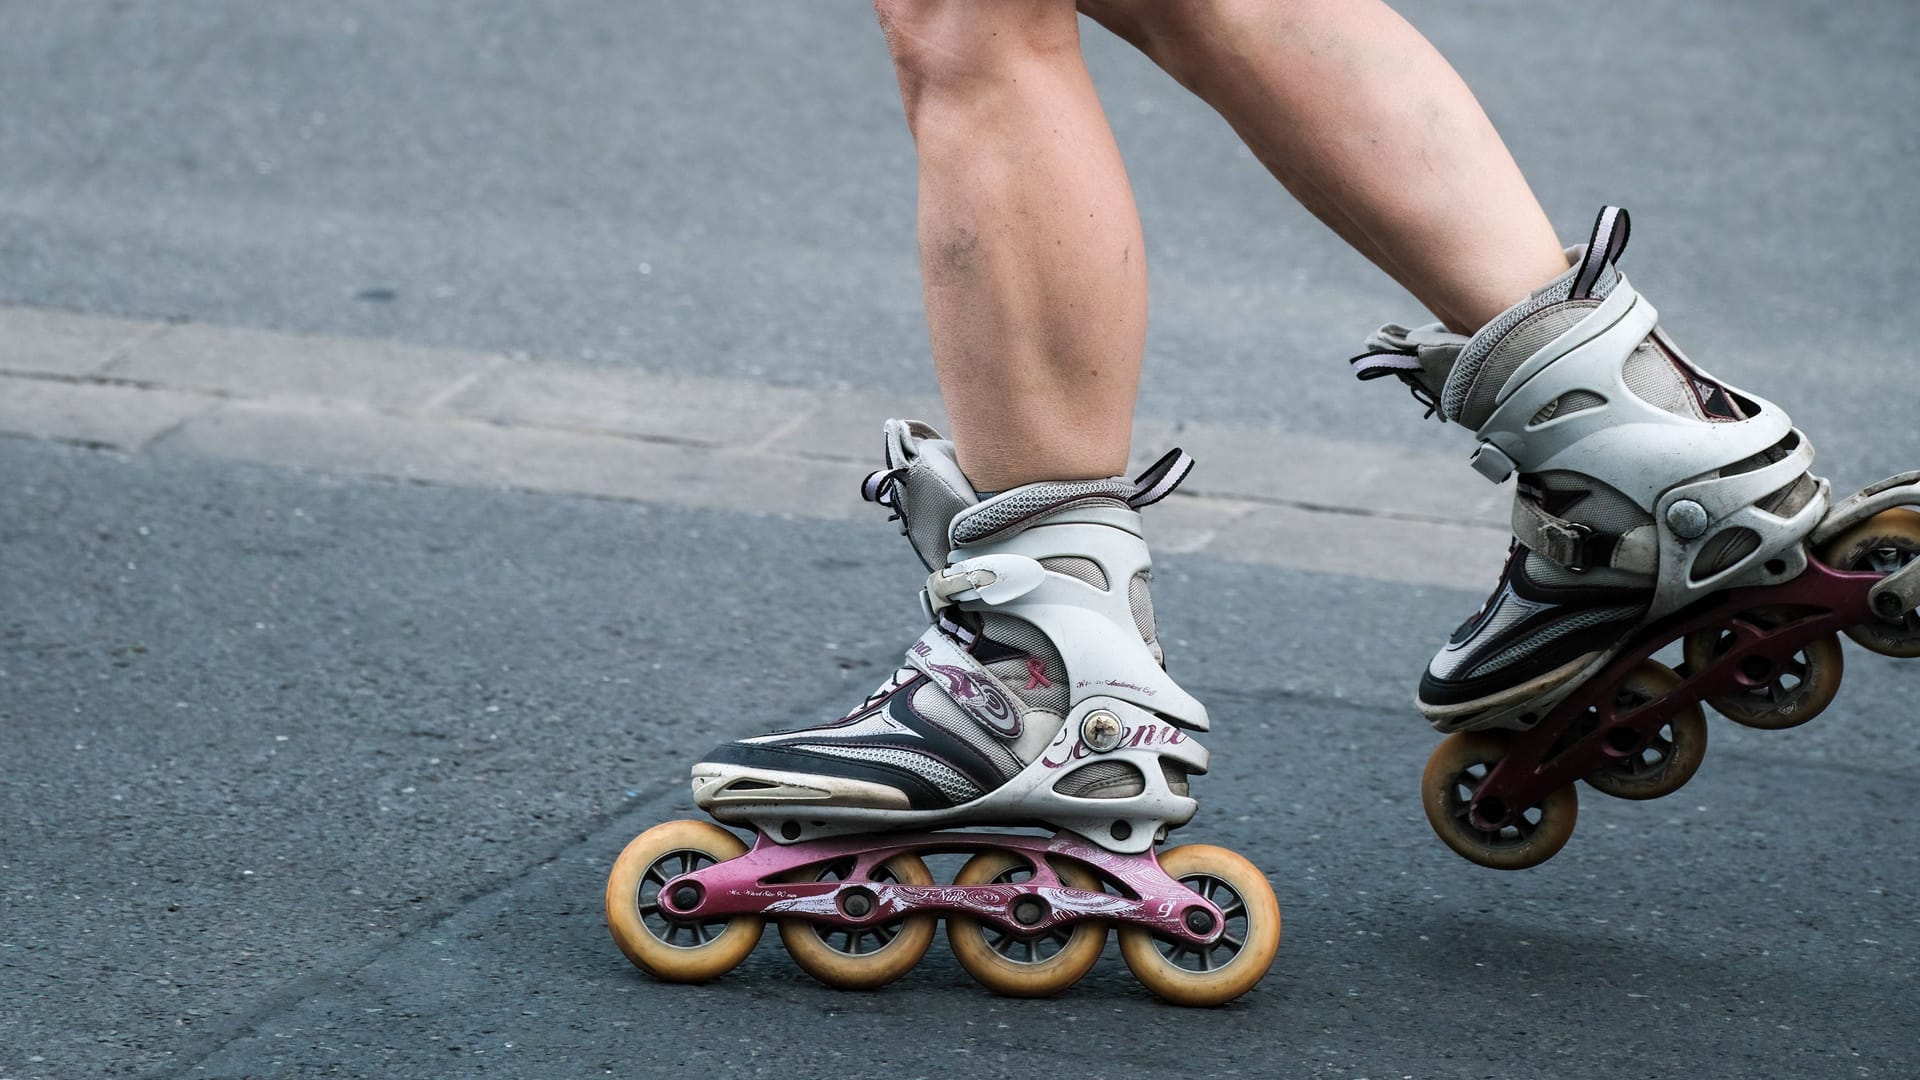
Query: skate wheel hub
[1491, 813]
[1029, 911]
[686, 897]
[1199, 921]
[1101, 731]
[856, 903]
[1624, 741]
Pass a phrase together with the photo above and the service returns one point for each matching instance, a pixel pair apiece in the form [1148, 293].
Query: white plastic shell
[1108, 665]
[1127, 824]
[1092, 628]
[1652, 456]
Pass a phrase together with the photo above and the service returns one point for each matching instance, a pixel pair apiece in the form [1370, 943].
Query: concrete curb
[474, 419]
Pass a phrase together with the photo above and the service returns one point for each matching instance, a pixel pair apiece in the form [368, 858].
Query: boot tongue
[1421, 356]
[928, 489]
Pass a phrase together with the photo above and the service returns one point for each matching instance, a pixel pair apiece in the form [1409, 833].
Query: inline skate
[1037, 697]
[1655, 506]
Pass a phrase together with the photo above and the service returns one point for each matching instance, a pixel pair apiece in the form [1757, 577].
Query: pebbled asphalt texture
[311, 777]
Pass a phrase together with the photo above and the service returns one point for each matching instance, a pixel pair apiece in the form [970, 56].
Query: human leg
[1031, 255]
[1371, 129]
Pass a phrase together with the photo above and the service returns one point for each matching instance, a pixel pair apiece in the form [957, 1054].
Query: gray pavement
[327, 774]
[425, 428]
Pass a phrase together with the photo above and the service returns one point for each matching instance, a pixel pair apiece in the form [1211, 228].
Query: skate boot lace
[899, 678]
[878, 488]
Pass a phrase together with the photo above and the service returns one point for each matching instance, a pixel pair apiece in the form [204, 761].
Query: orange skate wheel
[1455, 772]
[1793, 695]
[1885, 542]
[870, 955]
[1204, 975]
[1674, 753]
[1039, 965]
[664, 947]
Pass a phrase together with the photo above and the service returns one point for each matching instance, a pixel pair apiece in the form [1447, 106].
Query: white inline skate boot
[1645, 484]
[1040, 617]
[1036, 697]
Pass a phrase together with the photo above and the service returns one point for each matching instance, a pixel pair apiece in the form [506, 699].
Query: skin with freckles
[1030, 245]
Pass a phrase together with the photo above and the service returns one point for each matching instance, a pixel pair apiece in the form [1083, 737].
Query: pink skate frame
[750, 885]
[1829, 601]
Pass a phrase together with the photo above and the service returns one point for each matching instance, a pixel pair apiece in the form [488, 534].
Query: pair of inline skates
[1656, 505]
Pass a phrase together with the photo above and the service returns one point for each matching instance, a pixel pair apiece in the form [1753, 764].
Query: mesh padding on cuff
[1022, 505]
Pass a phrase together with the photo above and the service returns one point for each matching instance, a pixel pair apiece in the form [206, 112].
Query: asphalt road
[310, 775]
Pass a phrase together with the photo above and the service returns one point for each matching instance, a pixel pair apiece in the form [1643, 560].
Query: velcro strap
[1569, 543]
[969, 684]
[1378, 365]
[1160, 478]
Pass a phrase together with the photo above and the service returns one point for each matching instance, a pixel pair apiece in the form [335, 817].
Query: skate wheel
[1884, 542]
[1795, 694]
[1671, 756]
[1201, 975]
[1454, 773]
[870, 955]
[663, 947]
[1035, 965]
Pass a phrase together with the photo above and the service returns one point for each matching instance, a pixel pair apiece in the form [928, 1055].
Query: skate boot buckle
[991, 579]
[1492, 462]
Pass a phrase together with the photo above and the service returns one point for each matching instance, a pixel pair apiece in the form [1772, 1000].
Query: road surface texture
[428, 427]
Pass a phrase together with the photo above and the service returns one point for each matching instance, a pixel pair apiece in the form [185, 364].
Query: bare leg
[1030, 246]
[1371, 129]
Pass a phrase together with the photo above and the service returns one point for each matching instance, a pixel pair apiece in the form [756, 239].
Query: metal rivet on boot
[1687, 519]
[1101, 731]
